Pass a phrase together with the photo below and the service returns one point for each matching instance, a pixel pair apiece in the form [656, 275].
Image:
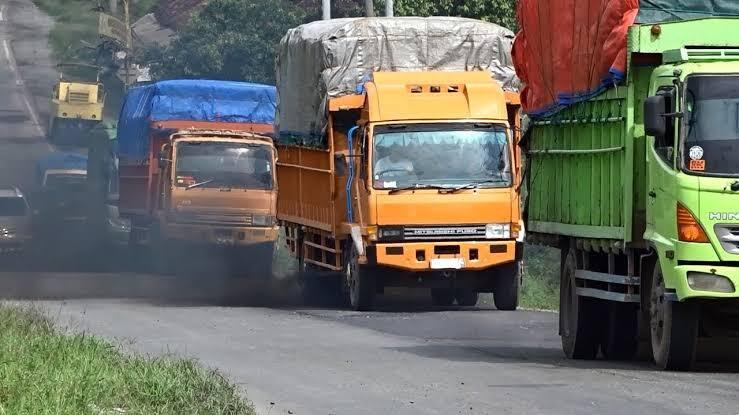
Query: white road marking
[8, 55]
[24, 94]
[2, 12]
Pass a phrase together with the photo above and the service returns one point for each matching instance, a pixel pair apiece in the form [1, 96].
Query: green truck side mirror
[655, 122]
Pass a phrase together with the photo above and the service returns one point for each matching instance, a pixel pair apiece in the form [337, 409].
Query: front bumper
[11, 244]
[677, 278]
[447, 256]
[219, 235]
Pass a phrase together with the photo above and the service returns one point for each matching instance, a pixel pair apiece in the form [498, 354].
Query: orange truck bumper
[447, 256]
[225, 236]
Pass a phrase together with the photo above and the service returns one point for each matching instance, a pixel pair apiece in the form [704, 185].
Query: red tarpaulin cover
[570, 50]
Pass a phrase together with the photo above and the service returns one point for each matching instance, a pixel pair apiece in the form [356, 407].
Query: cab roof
[435, 95]
[10, 192]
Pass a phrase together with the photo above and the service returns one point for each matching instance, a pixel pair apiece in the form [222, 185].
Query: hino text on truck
[399, 167]
[633, 171]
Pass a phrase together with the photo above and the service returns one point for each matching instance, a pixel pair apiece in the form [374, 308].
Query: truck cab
[63, 192]
[76, 108]
[217, 188]
[692, 117]
[418, 188]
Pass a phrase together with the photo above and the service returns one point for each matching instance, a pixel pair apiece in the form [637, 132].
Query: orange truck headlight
[688, 228]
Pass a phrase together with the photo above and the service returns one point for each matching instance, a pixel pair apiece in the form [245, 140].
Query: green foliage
[44, 371]
[502, 12]
[238, 40]
[540, 289]
[229, 39]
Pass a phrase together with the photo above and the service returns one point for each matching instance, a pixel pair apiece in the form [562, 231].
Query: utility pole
[389, 11]
[129, 43]
[326, 9]
[369, 7]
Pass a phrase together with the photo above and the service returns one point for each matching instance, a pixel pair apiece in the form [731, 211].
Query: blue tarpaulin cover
[189, 100]
[61, 161]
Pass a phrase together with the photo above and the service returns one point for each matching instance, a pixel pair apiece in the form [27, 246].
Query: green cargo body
[581, 171]
[647, 239]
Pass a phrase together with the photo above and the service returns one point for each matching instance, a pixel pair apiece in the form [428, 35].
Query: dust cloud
[69, 266]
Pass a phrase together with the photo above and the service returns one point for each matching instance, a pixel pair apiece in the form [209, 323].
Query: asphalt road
[404, 359]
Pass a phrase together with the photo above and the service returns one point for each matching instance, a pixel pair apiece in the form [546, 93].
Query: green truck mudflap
[717, 211]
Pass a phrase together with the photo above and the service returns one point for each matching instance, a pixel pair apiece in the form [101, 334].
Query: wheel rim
[657, 309]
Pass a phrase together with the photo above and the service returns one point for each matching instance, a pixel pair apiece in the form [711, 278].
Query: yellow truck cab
[222, 209]
[76, 107]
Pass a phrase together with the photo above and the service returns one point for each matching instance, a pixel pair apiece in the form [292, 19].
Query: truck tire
[674, 327]
[466, 297]
[578, 316]
[507, 287]
[442, 297]
[360, 282]
[621, 337]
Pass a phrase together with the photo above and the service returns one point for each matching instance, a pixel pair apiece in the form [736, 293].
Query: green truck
[638, 186]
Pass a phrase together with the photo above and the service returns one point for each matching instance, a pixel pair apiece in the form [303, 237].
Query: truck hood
[428, 207]
[719, 215]
[214, 200]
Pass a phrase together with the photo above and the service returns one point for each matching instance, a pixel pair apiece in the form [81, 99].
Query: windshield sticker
[697, 165]
[390, 185]
[696, 153]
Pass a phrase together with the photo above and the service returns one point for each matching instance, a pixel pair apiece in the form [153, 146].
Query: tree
[228, 39]
[238, 39]
[502, 12]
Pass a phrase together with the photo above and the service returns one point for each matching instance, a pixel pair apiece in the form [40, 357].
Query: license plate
[447, 263]
[224, 237]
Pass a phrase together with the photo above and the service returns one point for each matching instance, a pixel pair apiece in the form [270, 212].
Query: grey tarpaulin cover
[332, 58]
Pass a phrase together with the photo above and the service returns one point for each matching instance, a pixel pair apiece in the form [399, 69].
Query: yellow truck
[413, 181]
[76, 108]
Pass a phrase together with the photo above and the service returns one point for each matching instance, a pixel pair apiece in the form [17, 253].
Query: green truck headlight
[700, 281]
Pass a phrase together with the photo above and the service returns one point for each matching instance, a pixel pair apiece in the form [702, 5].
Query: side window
[665, 145]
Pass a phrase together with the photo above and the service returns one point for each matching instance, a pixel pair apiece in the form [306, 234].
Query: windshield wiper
[474, 185]
[203, 183]
[416, 186]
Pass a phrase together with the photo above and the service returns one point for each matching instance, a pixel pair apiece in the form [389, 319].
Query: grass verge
[45, 371]
[540, 288]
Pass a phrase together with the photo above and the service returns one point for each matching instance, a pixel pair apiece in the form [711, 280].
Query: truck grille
[728, 236]
[220, 219]
[444, 232]
[78, 97]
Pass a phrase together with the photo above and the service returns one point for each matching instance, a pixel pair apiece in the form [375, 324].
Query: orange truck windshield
[424, 155]
[219, 165]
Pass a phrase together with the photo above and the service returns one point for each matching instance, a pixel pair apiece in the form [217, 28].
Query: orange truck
[196, 168]
[413, 183]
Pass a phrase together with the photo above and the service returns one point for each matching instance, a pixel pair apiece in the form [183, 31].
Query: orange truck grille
[230, 219]
[444, 233]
